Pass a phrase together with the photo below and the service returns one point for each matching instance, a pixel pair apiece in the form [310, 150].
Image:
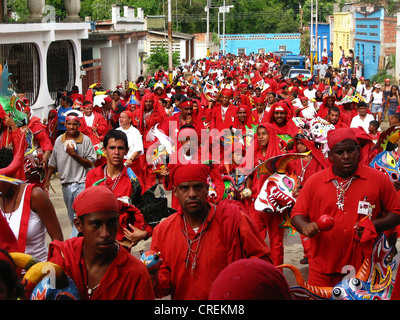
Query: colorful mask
[210, 91]
[158, 152]
[10, 103]
[45, 291]
[387, 160]
[373, 281]
[388, 163]
[277, 192]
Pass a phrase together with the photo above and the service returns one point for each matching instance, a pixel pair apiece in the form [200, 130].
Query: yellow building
[343, 35]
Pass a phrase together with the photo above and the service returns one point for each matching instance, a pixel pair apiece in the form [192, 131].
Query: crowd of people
[98, 142]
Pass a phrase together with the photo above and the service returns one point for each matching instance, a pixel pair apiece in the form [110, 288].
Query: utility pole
[208, 28]
[170, 64]
[311, 39]
[223, 29]
[316, 30]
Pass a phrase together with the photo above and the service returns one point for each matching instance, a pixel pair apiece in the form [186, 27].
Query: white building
[42, 57]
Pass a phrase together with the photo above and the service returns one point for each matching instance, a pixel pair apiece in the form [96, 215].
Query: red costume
[331, 250]
[126, 278]
[229, 235]
[218, 117]
[267, 221]
[100, 123]
[146, 121]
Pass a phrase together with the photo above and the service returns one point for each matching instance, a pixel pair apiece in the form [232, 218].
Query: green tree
[20, 9]
[159, 59]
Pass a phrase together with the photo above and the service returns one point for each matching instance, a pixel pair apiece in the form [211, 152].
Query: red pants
[268, 222]
[318, 279]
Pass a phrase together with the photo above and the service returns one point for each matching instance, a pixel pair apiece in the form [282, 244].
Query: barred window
[60, 67]
[24, 66]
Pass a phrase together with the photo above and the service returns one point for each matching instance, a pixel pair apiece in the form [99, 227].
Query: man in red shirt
[222, 115]
[100, 268]
[186, 116]
[334, 118]
[347, 191]
[201, 239]
[117, 179]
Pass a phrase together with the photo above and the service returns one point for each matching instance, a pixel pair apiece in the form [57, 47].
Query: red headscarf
[157, 109]
[250, 279]
[189, 172]
[273, 143]
[247, 120]
[290, 127]
[95, 198]
[366, 143]
[337, 135]
[315, 152]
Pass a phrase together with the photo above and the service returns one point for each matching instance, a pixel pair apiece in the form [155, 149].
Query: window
[241, 51]
[60, 67]
[24, 66]
[373, 53]
[282, 47]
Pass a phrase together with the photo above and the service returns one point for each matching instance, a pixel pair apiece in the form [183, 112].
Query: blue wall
[367, 44]
[255, 42]
[324, 38]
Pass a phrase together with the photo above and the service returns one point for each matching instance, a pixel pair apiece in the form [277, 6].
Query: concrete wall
[256, 42]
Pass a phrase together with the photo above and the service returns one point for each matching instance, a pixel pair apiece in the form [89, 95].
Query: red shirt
[123, 186]
[224, 241]
[99, 122]
[220, 121]
[126, 278]
[331, 250]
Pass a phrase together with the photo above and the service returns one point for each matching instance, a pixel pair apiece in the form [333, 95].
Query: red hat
[226, 92]
[107, 99]
[258, 100]
[338, 135]
[250, 279]
[129, 114]
[189, 172]
[187, 103]
[242, 107]
[95, 198]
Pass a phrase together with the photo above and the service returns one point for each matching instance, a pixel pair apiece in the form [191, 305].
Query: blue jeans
[70, 192]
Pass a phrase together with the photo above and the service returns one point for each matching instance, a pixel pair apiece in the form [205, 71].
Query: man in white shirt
[310, 91]
[361, 86]
[363, 118]
[322, 69]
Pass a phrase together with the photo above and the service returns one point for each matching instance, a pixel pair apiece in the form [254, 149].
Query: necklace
[341, 189]
[116, 179]
[190, 252]
[304, 168]
[10, 209]
[91, 290]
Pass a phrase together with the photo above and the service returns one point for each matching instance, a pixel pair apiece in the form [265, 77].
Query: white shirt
[367, 94]
[89, 120]
[358, 122]
[310, 94]
[360, 88]
[135, 142]
[377, 97]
